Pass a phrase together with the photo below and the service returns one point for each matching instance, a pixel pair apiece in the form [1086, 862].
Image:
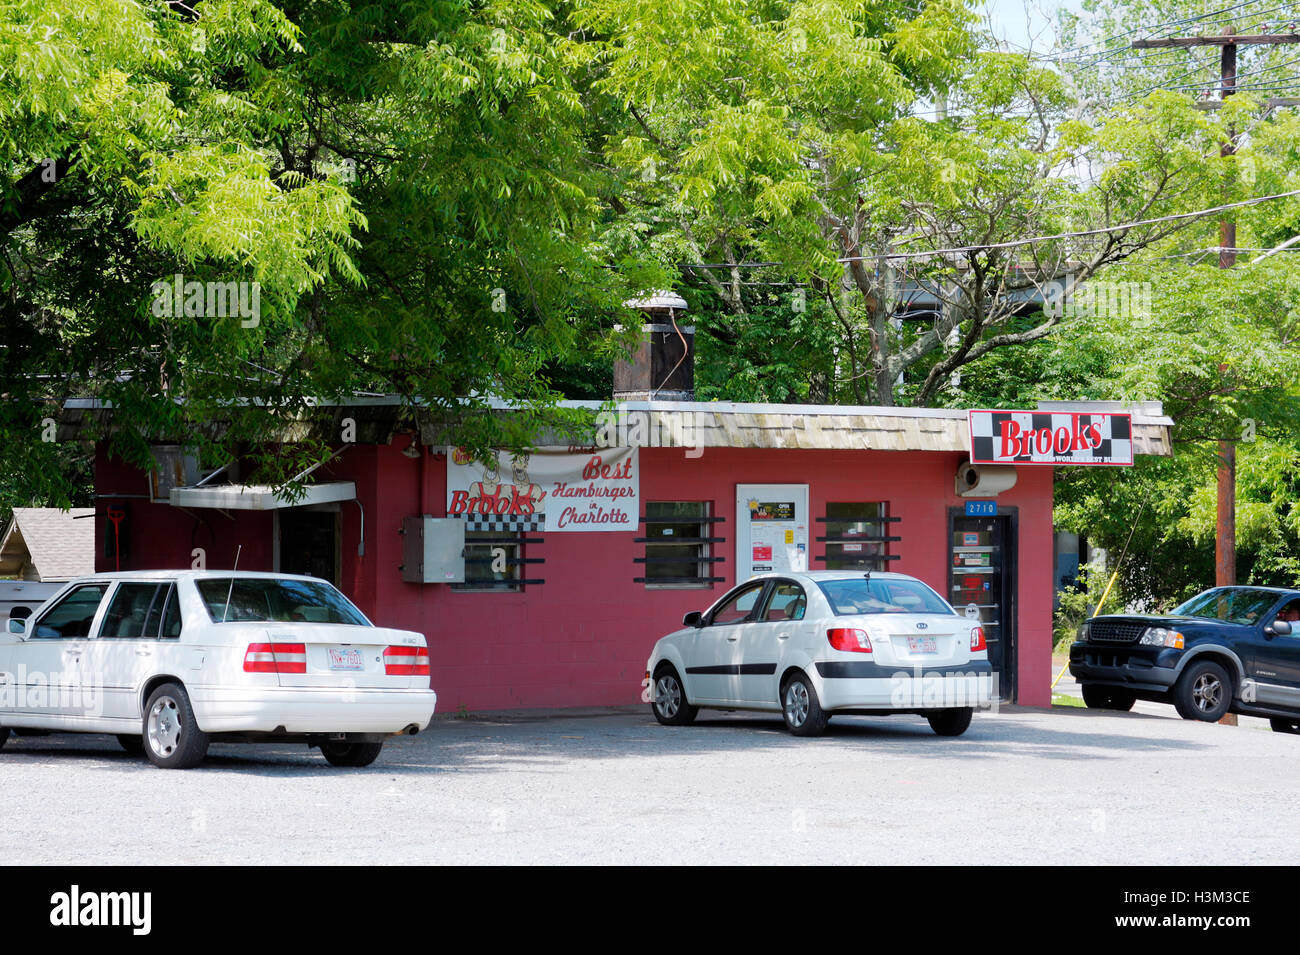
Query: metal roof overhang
[260, 497]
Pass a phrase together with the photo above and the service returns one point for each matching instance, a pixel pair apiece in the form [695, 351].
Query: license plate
[346, 658]
[921, 644]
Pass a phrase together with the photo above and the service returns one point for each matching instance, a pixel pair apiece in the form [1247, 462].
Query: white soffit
[260, 497]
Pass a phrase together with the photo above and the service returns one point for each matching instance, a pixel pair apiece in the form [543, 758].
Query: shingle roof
[45, 543]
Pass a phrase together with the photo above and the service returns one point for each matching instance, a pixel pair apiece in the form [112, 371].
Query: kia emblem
[922, 626]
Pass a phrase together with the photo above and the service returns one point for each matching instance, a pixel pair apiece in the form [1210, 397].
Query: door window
[739, 606]
[787, 602]
[142, 611]
[73, 615]
[132, 610]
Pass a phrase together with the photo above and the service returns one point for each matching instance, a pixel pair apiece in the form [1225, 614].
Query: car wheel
[1203, 692]
[132, 744]
[354, 755]
[802, 710]
[1097, 697]
[172, 738]
[670, 706]
[4, 736]
[1284, 726]
[952, 722]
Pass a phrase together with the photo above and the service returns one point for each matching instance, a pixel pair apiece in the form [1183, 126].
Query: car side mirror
[1280, 627]
[693, 619]
[18, 626]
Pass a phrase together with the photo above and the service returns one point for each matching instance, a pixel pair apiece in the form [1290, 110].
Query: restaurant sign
[598, 490]
[1051, 437]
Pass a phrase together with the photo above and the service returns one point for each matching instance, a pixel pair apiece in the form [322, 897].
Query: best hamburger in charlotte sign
[1051, 437]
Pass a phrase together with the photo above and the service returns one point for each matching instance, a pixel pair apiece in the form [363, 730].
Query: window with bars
[857, 535]
[495, 562]
[679, 542]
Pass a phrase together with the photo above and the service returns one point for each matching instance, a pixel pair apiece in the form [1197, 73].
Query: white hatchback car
[172, 660]
[813, 644]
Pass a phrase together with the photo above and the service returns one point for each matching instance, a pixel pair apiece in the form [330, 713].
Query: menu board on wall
[773, 528]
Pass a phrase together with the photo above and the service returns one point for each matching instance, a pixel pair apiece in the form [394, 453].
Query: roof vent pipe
[662, 367]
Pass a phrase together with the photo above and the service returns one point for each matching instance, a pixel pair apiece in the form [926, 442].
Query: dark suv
[1228, 650]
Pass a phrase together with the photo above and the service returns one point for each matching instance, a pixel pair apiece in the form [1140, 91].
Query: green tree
[408, 186]
[857, 144]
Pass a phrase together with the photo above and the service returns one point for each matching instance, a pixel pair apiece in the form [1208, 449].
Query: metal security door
[981, 574]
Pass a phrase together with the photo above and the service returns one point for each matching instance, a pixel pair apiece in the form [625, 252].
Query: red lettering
[593, 468]
[1043, 440]
[1095, 431]
[1010, 440]
[1078, 439]
[1062, 443]
[459, 502]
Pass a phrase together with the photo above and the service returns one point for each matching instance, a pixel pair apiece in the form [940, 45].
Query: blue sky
[1023, 23]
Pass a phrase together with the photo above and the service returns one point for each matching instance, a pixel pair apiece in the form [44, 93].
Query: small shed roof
[45, 543]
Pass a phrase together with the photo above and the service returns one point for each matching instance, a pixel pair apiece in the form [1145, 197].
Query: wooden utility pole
[1225, 537]
[1225, 548]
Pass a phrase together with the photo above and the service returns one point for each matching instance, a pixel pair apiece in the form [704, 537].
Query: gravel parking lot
[1065, 786]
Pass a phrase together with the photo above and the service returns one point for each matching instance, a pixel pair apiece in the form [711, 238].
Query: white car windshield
[858, 595]
[283, 601]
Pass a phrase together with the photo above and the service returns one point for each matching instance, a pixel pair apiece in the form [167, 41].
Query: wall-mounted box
[433, 550]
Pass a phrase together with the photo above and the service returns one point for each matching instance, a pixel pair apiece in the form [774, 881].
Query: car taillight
[977, 639]
[276, 658]
[406, 661]
[855, 641]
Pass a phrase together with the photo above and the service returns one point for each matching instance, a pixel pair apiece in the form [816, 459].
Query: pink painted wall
[583, 637]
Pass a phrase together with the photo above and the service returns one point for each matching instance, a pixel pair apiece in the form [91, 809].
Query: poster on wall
[546, 491]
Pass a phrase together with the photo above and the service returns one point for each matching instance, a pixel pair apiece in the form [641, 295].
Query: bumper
[301, 710]
[871, 686]
[1153, 670]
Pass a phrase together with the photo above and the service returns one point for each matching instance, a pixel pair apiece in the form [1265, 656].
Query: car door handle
[143, 652]
[732, 639]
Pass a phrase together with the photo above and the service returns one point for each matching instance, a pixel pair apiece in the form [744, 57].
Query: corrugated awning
[260, 497]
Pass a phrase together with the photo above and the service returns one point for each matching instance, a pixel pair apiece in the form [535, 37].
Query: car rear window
[858, 595]
[283, 601]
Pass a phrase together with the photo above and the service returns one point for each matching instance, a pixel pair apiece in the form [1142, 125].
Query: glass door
[979, 578]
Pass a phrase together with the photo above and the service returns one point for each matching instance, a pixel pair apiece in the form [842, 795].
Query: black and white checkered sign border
[1114, 429]
[505, 523]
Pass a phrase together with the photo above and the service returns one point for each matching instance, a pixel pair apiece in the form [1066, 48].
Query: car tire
[4, 736]
[670, 705]
[132, 744]
[1203, 692]
[801, 709]
[171, 736]
[951, 722]
[1280, 725]
[350, 755]
[1097, 697]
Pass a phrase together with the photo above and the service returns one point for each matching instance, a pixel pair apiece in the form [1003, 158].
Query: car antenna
[231, 589]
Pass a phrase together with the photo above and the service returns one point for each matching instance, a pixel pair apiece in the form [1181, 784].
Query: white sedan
[813, 644]
[169, 661]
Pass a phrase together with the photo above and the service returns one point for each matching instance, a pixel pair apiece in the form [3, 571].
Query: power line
[1016, 242]
[1073, 235]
